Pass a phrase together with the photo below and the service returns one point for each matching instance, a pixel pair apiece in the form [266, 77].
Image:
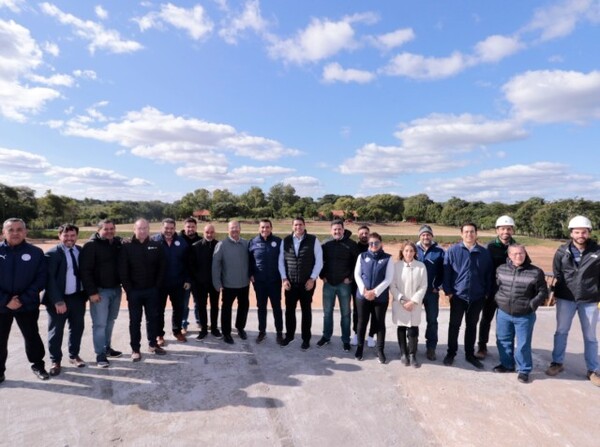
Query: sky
[482, 100]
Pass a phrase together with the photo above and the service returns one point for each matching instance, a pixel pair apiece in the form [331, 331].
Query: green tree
[416, 207]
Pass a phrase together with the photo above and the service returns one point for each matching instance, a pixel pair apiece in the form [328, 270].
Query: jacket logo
[3, 257]
[152, 248]
[367, 259]
[26, 257]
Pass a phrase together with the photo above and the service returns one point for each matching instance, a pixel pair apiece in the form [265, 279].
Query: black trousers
[202, 293]
[487, 316]
[138, 301]
[28, 324]
[229, 296]
[471, 312]
[298, 293]
[175, 294]
[375, 310]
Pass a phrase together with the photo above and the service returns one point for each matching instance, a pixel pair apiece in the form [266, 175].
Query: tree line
[535, 217]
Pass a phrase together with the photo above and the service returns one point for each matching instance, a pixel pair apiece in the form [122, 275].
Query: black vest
[299, 268]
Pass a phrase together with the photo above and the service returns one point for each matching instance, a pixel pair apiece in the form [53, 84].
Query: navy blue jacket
[468, 275]
[177, 257]
[372, 272]
[264, 258]
[22, 273]
[434, 264]
[57, 276]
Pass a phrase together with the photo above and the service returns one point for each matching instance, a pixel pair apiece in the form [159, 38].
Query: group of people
[497, 280]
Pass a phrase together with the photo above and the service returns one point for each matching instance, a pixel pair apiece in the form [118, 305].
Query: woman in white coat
[408, 290]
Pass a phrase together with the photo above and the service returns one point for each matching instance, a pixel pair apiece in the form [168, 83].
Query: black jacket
[201, 255]
[577, 283]
[141, 265]
[99, 264]
[521, 290]
[339, 259]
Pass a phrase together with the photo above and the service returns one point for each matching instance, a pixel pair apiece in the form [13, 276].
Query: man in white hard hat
[498, 248]
[577, 270]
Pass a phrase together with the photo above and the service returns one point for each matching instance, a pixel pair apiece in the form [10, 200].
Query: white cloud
[194, 20]
[54, 80]
[334, 72]
[51, 48]
[560, 19]
[13, 160]
[514, 183]
[249, 19]
[101, 13]
[495, 48]
[13, 5]
[100, 38]
[305, 186]
[94, 177]
[262, 170]
[394, 39]
[421, 67]
[437, 143]
[85, 74]
[321, 39]
[555, 96]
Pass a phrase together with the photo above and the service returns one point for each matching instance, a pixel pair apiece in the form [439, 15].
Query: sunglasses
[374, 244]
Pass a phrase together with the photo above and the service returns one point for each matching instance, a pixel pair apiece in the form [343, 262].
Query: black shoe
[279, 338]
[110, 352]
[358, 355]
[413, 361]
[473, 361]
[523, 378]
[305, 345]
[381, 356]
[227, 339]
[346, 347]
[242, 334]
[216, 333]
[261, 337]
[41, 373]
[286, 342]
[2, 378]
[322, 342]
[431, 354]
[503, 369]
[201, 336]
[448, 360]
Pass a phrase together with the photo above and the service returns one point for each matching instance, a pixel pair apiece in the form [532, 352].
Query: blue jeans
[265, 290]
[432, 310]
[186, 309]
[104, 314]
[588, 317]
[343, 293]
[507, 327]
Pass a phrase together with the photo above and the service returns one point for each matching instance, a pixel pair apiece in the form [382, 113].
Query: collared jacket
[230, 265]
[298, 268]
[409, 284]
[200, 261]
[177, 260]
[264, 258]
[56, 280]
[521, 290]
[191, 240]
[374, 270]
[577, 283]
[99, 264]
[468, 274]
[142, 265]
[339, 259]
[433, 259]
[23, 273]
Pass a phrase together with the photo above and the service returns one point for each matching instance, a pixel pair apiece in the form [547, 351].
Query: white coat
[409, 284]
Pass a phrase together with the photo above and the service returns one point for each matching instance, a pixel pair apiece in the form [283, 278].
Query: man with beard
[191, 236]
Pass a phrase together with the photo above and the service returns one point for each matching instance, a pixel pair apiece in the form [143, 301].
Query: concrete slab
[262, 395]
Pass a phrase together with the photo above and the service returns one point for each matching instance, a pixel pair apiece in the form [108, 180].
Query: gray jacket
[230, 264]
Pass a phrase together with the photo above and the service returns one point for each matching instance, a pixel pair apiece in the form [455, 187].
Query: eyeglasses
[374, 244]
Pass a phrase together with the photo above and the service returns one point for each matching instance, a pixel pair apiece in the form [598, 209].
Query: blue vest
[372, 272]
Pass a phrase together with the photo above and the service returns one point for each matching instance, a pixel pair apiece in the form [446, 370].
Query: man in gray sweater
[231, 275]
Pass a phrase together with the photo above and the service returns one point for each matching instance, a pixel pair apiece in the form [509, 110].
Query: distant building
[203, 215]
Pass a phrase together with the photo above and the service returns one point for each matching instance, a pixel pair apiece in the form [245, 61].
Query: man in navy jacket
[468, 279]
[22, 278]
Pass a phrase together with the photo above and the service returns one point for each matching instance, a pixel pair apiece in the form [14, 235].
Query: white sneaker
[371, 342]
[354, 340]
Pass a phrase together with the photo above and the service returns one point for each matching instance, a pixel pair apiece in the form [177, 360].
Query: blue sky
[484, 100]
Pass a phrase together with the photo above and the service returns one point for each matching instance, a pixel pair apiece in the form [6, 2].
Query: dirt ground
[540, 256]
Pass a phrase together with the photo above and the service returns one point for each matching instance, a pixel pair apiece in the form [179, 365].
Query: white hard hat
[505, 221]
[580, 222]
